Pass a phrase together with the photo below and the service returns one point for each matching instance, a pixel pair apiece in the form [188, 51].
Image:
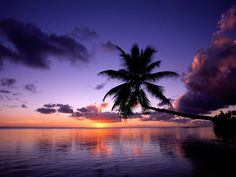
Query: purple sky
[177, 29]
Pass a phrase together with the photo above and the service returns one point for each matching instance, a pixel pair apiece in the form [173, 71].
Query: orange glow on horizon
[59, 120]
[99, 125]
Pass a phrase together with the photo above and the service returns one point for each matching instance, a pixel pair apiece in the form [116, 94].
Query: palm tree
[138, 78]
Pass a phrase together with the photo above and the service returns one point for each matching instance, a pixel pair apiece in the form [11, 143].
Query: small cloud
[100, 86]
[31, 88]
[84, 33]
[23, 106]
[49, 105]
[64, 108]
[53, 108]
[7, 82]
[5, 91]
[83, 110]
[108, 46]
[46, 110]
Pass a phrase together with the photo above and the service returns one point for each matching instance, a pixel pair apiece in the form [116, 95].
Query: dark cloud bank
[210, 82]
[27, 44]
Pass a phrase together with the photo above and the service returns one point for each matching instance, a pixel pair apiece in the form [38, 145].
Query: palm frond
[133, 100]
[113, 74]
[152, 66]
[121, 50]
[126, 59]
[117, 90]
[157, 91]
[121, 100]
[147, 55]
[159, 75]
[135, 52]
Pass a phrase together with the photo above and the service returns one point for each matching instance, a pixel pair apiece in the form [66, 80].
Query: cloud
[100, 86]
[92, 112]
[7, 82]
[5, 91]
[156, 116]
[108, 46]
[64, 108]
[26, 44]
[228, 20]
[8, 90]
[49, 105]
[31, 88]
[96, 108]
[210, 82]
[98, 117]
[83, 110]
[46, 110]
[95, 112]
[23, 106]
[84, 33]
[10, 106]
[53, 108]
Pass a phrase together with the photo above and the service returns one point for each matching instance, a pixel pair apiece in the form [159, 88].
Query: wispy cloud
[5, 91]
[23, 106]
[7, 82]
[84, 33]
[10, 106]
[100, 86]
[227, 20]
[27, 44]
[31, 88]
[108, 46]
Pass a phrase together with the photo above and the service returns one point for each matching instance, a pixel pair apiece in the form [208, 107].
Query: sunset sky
[51, 52]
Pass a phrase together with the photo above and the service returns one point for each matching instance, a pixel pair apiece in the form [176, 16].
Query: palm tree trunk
[192, 116]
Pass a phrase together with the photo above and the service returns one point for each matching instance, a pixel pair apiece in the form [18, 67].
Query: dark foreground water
[134, 152]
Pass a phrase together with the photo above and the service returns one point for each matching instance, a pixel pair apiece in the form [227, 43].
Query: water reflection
[210, 158]
[110, 152]
[227, 136]
[44, 145]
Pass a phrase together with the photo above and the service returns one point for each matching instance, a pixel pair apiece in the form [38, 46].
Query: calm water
[134, 152]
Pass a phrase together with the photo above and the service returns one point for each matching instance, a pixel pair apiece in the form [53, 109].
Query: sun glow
[99, 125]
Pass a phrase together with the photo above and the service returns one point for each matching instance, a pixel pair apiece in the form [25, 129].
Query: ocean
[115, 152]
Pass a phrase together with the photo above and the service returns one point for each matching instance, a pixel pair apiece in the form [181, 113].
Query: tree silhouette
[138, 78]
